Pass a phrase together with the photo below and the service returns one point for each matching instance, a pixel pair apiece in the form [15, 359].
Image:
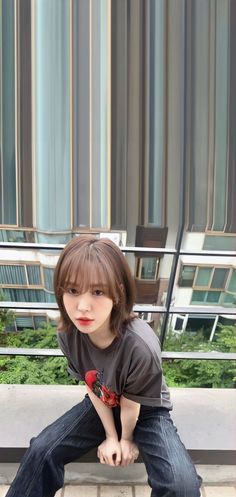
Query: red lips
[84, 321]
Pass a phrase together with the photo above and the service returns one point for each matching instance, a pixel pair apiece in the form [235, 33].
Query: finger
[117, 458]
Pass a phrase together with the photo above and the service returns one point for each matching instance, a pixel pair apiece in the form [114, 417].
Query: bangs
[86, 271]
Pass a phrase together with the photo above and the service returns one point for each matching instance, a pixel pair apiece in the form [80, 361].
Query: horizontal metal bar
[137, 308]
[126, 249]
[43, 246]
[231, 356]
[16, 351]
[215, 253]
[20, 351]
[29, 305]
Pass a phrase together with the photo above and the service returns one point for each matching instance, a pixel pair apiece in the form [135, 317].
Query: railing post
[182, 190]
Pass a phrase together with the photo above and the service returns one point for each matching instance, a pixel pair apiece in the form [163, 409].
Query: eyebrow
[93, 285]
[97, 285]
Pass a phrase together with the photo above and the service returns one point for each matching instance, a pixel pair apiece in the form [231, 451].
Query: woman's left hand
[129, 452]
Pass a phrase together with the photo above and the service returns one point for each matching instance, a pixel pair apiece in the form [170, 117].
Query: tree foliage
[6, 315]
[178, 373]
[33, 370]
[201, 373]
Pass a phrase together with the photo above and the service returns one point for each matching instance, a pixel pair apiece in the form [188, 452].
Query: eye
[72, 291]
[98, 292]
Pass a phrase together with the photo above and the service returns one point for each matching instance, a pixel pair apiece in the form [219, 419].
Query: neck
[102, 340]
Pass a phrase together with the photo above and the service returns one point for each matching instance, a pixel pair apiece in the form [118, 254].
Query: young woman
[126, 408]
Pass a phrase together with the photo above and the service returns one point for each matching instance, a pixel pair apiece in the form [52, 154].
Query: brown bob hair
[87, 261]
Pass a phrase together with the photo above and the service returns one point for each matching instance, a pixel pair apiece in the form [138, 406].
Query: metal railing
[166, 310]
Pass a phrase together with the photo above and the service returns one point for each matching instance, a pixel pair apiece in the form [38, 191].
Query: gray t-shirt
[130, 366]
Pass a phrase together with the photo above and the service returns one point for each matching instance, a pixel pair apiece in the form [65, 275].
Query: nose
[84, 302]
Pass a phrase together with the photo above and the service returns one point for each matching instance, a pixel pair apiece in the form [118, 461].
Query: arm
[109, 452]
[129, 416]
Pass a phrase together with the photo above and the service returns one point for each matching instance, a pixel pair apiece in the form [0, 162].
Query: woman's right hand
[109, 452]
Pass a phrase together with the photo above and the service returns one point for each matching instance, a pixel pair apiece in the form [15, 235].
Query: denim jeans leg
[170, 470]
[41, 472]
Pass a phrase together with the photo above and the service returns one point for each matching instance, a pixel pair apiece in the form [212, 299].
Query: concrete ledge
[94, 473]
[205, 419]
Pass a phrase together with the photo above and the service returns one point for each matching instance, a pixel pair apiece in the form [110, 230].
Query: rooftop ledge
[205, 419]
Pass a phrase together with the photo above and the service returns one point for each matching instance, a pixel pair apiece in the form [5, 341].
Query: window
[228, 299]
[12, 275]
[186, 277]
[33, 273]
[203, 276]
[147, 268]
[210, 277]
[200, 297]
[27, 295]
[219, 243]
[39, 321]
[48, 273]
[219, 278]
[232, 282]
[197, 323]
[179, 323]
[23, 322]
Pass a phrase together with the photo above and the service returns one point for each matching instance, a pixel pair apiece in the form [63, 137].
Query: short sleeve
[144, 379]
[63, 344]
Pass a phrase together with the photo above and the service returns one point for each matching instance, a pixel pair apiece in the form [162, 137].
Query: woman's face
[90, 312]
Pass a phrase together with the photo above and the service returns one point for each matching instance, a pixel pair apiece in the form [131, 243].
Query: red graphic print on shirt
[94, 382]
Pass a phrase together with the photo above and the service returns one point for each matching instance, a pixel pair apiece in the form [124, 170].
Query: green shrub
[201, 373]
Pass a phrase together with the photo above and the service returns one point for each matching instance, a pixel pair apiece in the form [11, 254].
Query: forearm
[129, 412]
[105, 414]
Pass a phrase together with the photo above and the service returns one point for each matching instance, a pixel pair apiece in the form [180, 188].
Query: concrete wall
[205, 418]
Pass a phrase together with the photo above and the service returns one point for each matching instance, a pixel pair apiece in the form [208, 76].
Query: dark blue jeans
[170, 470]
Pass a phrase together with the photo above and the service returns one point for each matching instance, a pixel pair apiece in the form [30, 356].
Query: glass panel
[221, 113]
[49, 297]
[12, 275]
[219, 243]
[24, 322]
[198, 297]
[219, 278]
[213, 297]
[187, 276]
[203, 276]
[81, 102]
[228, 299]
[232, 282]
[7, 114]
[34, 275]
[179, 324]
[99, 115]
[48, 278]
[24, 295]
[38, 321]
[156, 112]
[199, 104]
[51, 119]
[197, 323]
[15, 236]
[149, 267]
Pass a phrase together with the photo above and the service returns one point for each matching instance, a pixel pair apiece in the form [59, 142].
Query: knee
[38, 447]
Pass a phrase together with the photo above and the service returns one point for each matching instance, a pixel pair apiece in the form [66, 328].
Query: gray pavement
[128, 491]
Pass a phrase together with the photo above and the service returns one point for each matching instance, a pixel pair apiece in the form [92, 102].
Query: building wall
[118, 114]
